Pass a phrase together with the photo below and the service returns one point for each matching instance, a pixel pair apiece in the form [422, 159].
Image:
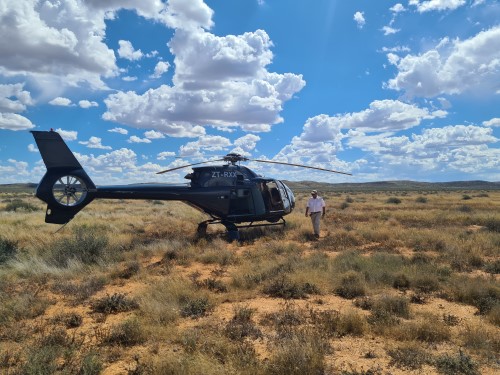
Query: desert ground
[400, 282]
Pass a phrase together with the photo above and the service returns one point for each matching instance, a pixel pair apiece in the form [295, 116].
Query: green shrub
[128, 333]
[409, 357]
[421, 199]
[195, 307]
[393, 200]
[351, 285]
[458, 364]
[241, 325]
[113, 304]
[466, 197]
[91, 365]
[282, 287]
[88, 245]
[8, 250]
[19, 205]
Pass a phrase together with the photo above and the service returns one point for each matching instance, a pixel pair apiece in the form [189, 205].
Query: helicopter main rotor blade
[300, 165]
[188, 165]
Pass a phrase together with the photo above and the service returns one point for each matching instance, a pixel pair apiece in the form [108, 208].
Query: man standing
[316, 208]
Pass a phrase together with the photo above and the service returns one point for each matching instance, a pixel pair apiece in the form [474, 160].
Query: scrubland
[399, 282]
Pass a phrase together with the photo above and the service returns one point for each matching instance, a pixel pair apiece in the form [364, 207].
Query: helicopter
[230, 194]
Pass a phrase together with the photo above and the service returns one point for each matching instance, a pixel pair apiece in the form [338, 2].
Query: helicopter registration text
[224, 174]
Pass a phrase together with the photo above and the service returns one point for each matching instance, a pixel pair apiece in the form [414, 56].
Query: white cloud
[494, 122]
[439, 5]
[87, 104]
[204, 143]
[62, 102]
[118, 130]
[472, 65]
[95, 142]
[152, 134]
[165, 155]
[13, 121]
[129, 79]
[386, 115]
[127, 51]
[68, 135]
[389, 30]
[360, 19]
[135, 139]
[32, 148]
[160, 69]
[461, 147]
[397, 8]
[247, 143]
[14, 99]
[218, 81]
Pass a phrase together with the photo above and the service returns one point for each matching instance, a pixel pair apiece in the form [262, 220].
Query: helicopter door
[284, 196]
[241, 202]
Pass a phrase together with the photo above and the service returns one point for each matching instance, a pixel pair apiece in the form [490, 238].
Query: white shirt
[316, 205]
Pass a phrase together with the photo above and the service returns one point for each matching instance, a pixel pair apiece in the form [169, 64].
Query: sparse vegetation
[389, 287]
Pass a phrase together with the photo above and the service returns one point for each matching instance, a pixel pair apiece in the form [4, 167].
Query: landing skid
[232, 228]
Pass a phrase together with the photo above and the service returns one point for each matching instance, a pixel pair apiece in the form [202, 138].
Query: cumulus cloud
[152, 134]
[160, 69]
[165, 155]
[32, 148]
[439, 5]
[135, 139]
[95, 142]
[434, 148]
[127, 51]
[218, 81]
[204, 143]
[60, 101]
[494, 122]
[247, 143]
[67, 135]
[388, 30]
[14, 99]
[119, 130]
[359, 18]
[471, 65]
[397, 8]
[87, 104]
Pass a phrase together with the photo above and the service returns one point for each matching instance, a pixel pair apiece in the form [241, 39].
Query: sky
[384, 90]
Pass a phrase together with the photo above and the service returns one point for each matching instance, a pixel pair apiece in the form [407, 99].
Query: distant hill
[18, 188]
[394, 186]
[302, 186]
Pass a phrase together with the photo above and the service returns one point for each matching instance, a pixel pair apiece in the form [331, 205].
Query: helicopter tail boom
[65, 187]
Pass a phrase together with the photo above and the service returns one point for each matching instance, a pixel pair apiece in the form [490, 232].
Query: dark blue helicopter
[230, 194]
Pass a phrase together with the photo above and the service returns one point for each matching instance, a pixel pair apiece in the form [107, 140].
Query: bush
[195, 307]
[351, 285]
[87, 245]
[393, 200]
[114, 304]
[466, 197]
[458, 364]
[20, 205]
[421, 199]
[282, 287]
[409, 357]
[241, 325]
[128, 333]
[8, 250]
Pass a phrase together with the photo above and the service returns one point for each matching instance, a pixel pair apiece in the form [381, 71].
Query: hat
[314, 192]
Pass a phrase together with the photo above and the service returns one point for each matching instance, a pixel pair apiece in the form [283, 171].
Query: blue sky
[385, 90]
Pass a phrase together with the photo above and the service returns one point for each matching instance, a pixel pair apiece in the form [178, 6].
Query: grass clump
[128, 333]
[113, 304]
[393, 200]
[8, 250]
[196, 307]
[283, 287]
[88, 245]
[457, 364]
[20, 205]
[387, 309]
[351, 285]
[241, 325]
[409, 357]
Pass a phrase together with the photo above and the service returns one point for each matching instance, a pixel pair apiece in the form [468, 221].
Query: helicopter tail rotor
[66, 187]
